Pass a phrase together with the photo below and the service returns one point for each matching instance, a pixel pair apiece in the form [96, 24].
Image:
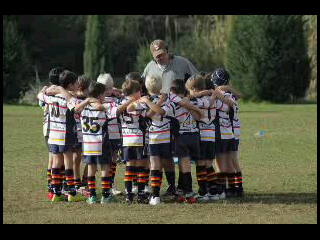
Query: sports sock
[171, 178]
[231, 181]
[92, 185]
[155, 182]
[201, 172]
[128, 176]
[70, 181]
[56, 181]
[187, 182]
[221, 182]
[113, 172]
[106, 185]
[141, 174]
[238, 180]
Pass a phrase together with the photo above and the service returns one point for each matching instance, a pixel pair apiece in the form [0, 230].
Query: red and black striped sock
[141, 178]
[56, 181]
[155, 182]
[231, 181]
[128, 176]
[238, 180]
[70, 181]
[113, 172]
[106, 185]
[92, 185]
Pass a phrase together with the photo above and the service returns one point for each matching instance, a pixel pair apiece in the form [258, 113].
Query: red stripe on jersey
[54, 130]
[132, 135]
[58, 106]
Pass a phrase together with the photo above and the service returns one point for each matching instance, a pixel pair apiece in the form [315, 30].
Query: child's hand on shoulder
[53, 90]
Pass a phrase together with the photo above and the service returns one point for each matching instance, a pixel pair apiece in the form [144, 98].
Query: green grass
[279, 171]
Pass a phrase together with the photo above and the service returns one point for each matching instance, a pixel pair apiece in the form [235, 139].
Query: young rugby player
[61, 137]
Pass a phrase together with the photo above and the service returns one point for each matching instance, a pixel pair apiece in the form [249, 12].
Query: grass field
[279, 174]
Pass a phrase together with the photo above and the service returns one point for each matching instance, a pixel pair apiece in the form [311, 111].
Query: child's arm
[125, 106]
[162, 98]
[191, 107]
[153, 107]
[197, 116]
[202, 93]
[223, 98]
[79, 107]
[234, 92]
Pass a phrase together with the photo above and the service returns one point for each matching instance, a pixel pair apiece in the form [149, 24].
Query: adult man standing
[167, 66]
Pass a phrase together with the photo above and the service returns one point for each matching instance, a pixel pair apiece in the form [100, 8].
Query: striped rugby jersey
[133, 133]
[224, 120]
[159, 129]
[113, 124]
[207, 123]
[94, 130]
[235, 121]
[71, 105]
[186, 120]
[46, 119]
[62, 123]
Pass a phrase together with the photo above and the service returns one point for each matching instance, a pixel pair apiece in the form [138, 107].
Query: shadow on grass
[276, 198]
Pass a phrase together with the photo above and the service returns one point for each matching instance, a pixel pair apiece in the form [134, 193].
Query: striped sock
[77, 181]
[128, 176]
[201, 172]
[238, 180]
[141, 178]
[70, 181]
[231, 181]
[56, 181]
[106, 185]
[92, 185]
[155, 182]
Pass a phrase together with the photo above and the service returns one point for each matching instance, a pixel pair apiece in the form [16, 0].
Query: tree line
[268, 56]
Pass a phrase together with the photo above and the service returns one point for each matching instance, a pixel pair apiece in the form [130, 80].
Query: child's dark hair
[199, 83]
[208, 83]
[66, 78]
[96, 89]
[83, 83]
[130, 86]
[179, 87]
[54, 75]
[134, 76]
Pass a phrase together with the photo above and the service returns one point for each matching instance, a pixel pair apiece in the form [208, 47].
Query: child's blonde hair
[153, 84]
[106, 79]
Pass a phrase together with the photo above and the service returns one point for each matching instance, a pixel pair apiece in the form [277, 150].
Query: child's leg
[155, 166]
[92, 170]
[128, 176]
[169, 169]
[230, 174]
[49, 171]
[141, 179]
[201, 172]
[221, 164]
[68, 162]
[85, 175]
[77, 155]
[238, 173]
[186, 178]
[106, 180]
[56, 182]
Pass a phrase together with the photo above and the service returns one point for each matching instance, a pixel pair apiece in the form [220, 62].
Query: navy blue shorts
[189, 146]
[162, 150]
[234, 144]
[224, 145]
[55, 149]
[208, 150]
[96, 159]
[116, 144]
[131, 153]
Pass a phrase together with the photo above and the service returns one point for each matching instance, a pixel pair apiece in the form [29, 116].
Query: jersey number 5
[89, 124]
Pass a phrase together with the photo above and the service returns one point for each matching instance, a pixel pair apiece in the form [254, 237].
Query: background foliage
[33, 44]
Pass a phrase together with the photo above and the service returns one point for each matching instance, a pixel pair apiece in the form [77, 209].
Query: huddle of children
[197, 120]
